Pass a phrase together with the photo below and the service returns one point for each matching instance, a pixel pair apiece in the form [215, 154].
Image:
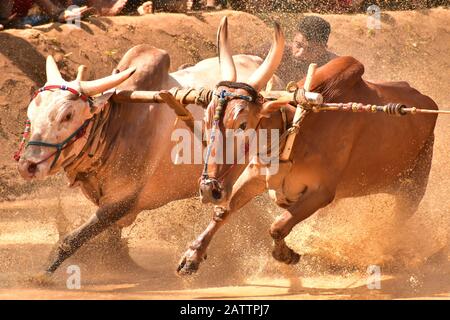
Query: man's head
[311, 39]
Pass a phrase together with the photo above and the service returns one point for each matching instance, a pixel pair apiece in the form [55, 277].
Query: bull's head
[237, 109]
[59, 113]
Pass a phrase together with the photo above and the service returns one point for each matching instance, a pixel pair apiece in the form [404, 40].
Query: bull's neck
[274, 122]
[281, 121]
[93, 150]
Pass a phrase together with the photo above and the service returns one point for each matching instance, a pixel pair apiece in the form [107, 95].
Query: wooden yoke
[300, 112]
[182, 113]
[177, 99]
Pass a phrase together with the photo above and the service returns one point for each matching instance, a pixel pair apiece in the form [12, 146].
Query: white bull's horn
[91, 88]
[227, 68]
[81, 73]
[266, 70]
[53, 74]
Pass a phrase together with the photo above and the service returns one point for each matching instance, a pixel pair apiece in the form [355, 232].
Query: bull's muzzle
[27, 169]
[211, 191]
[33, 164]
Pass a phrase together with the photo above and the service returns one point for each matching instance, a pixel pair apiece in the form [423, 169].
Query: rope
[204, 97]
[240, 85]
[395, 109]
[25, 135]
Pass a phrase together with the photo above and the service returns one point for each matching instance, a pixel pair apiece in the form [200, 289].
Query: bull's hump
[340, 74]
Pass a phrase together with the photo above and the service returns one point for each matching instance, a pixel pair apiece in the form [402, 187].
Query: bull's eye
[243, 126]
[68, 117]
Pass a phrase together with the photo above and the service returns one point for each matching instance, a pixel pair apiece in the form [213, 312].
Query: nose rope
[25, 135]
[208, 150]
[77, 134]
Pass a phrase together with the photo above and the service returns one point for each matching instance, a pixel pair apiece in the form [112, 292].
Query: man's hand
[73, 14]
[109, 7]
[5, 22]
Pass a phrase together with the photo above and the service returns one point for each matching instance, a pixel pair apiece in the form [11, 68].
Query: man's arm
[60, 13]
[5, 13]
[49, 7]
[5, 10]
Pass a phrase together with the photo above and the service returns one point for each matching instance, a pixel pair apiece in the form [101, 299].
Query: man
[309, 45]
[14, 13]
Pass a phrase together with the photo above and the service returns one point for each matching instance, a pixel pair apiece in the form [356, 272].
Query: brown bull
[122, 158]
[334, 156]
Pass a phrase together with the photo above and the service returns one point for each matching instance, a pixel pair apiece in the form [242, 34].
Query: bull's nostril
[216, 194]
[32, 168]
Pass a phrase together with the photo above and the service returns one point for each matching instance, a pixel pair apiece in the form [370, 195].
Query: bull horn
[91, 88]
[81, 73]
[227, 68]
[266, 70]
[53, 74]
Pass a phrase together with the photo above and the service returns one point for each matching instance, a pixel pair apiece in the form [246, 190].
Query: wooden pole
[129, 96]
[299, 112]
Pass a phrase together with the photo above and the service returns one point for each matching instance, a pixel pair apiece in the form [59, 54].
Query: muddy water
[28, 234]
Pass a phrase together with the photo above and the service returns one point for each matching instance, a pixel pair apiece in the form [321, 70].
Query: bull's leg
[107, 249]
[309, 203]
[413, 184]
[104, 218]
[248, 186]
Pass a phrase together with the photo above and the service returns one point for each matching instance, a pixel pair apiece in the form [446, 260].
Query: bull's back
[361, 152]
[384, 146]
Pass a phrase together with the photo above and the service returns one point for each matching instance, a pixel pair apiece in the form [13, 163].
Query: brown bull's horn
[266, 70]
[53, 74]
[227, 68]
[94, 87]
[81, 73]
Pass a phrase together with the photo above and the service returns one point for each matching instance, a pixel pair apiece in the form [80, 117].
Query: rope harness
[77, 134]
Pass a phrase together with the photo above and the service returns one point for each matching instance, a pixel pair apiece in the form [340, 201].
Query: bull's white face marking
[54, 116]
[237, 110]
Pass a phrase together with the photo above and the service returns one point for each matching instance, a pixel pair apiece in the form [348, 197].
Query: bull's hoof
[187, 267]
[286, 255]
[190, 261]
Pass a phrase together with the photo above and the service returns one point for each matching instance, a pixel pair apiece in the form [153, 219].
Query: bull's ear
[270, 107]
[99, 101]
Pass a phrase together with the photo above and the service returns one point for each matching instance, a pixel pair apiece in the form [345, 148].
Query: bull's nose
[32, 168]
[210, 193]
[216, 194]
[27, 169]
